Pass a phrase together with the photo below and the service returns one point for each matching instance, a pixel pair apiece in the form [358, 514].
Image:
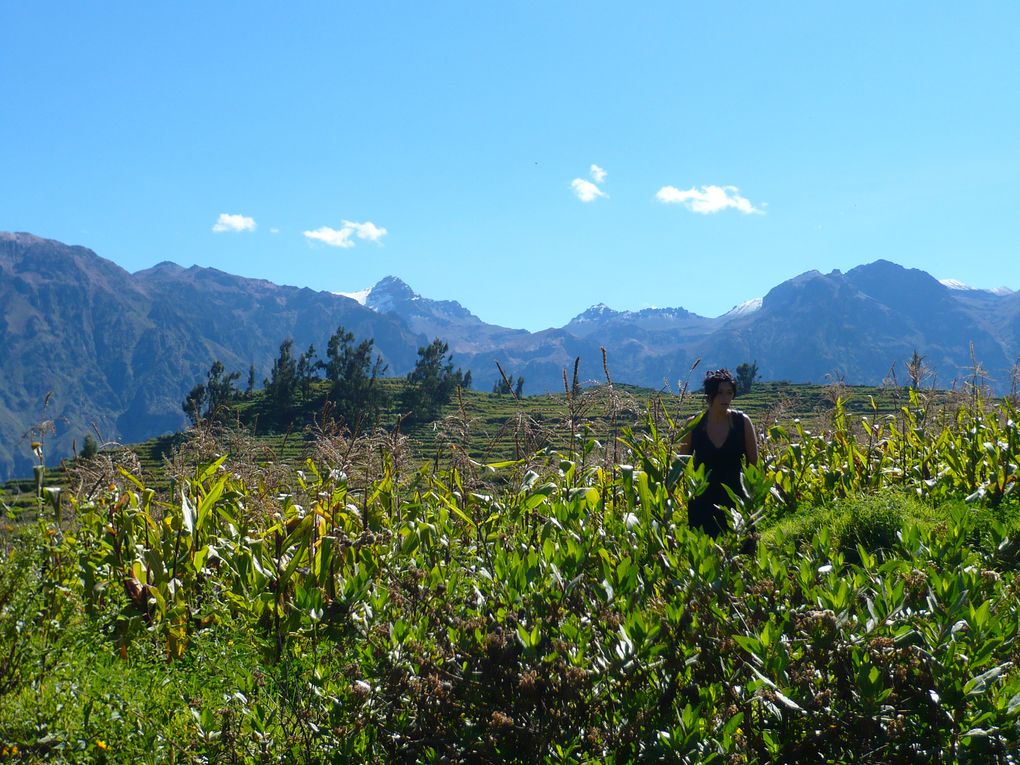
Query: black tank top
[722, 462]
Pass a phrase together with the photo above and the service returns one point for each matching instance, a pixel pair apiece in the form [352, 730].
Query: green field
[491, 428]
[518, 584]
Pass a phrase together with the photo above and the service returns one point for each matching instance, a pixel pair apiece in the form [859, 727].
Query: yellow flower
[100, 744]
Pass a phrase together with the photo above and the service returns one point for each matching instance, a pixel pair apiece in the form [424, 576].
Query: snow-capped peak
[390, 292]
[748, 306]
[596, 312]
[381, 298]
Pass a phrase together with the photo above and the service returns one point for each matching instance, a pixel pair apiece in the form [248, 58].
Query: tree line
[353, 371]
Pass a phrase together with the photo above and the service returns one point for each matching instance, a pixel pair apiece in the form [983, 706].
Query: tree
[212, 399]
[249, 390]
[353, 375]
[89, 447]
[220, 389]
[307, 371]
[282, 385]
[746, 375]
[505, 386]
[432, 382]
[194, 403]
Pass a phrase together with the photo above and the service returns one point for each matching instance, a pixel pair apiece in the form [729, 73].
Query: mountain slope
[855, 326]
[118, 352]
[447, 319]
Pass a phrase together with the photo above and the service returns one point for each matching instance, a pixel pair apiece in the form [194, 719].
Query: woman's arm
[750, 442]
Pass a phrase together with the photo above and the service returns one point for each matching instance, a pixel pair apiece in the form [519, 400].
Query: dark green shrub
[872, 522]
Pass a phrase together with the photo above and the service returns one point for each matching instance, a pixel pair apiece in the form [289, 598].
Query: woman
[721, 439]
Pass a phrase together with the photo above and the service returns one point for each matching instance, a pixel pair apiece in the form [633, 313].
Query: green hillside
[481, 426]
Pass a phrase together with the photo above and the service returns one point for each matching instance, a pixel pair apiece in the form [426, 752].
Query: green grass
[872, 522]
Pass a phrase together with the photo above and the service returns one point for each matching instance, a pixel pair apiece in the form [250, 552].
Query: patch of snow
[596, 312]
[748, 306]
[360, 295]
[956, 284]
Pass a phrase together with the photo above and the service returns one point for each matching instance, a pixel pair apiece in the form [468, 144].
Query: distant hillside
[860, 324]
[118, 350]
[856, 326]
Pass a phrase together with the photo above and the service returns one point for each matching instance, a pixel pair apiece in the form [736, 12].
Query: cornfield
[554, 608]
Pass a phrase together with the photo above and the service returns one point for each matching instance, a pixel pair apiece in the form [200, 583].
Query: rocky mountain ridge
[85, 346]
[116, 352]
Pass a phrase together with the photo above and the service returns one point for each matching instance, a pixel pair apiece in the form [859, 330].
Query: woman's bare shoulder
[748, 425]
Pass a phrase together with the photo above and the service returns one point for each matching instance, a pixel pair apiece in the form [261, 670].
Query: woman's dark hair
[715, 378]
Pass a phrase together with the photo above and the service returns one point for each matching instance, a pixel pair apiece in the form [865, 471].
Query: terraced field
[489, 428]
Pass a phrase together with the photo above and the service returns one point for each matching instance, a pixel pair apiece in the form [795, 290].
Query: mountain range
[87, 346]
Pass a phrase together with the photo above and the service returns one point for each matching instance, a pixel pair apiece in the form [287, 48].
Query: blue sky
[526, 159]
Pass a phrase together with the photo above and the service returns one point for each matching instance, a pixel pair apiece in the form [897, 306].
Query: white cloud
[367, 230]
[707, 199]
[274, 231]
[342, 237]
[586, 191]
[332, 236]
[228, 222]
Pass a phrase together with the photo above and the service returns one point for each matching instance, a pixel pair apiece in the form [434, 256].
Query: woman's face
[724, 395]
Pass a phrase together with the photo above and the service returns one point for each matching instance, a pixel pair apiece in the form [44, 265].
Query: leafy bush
[871, 521]
[996, 532]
